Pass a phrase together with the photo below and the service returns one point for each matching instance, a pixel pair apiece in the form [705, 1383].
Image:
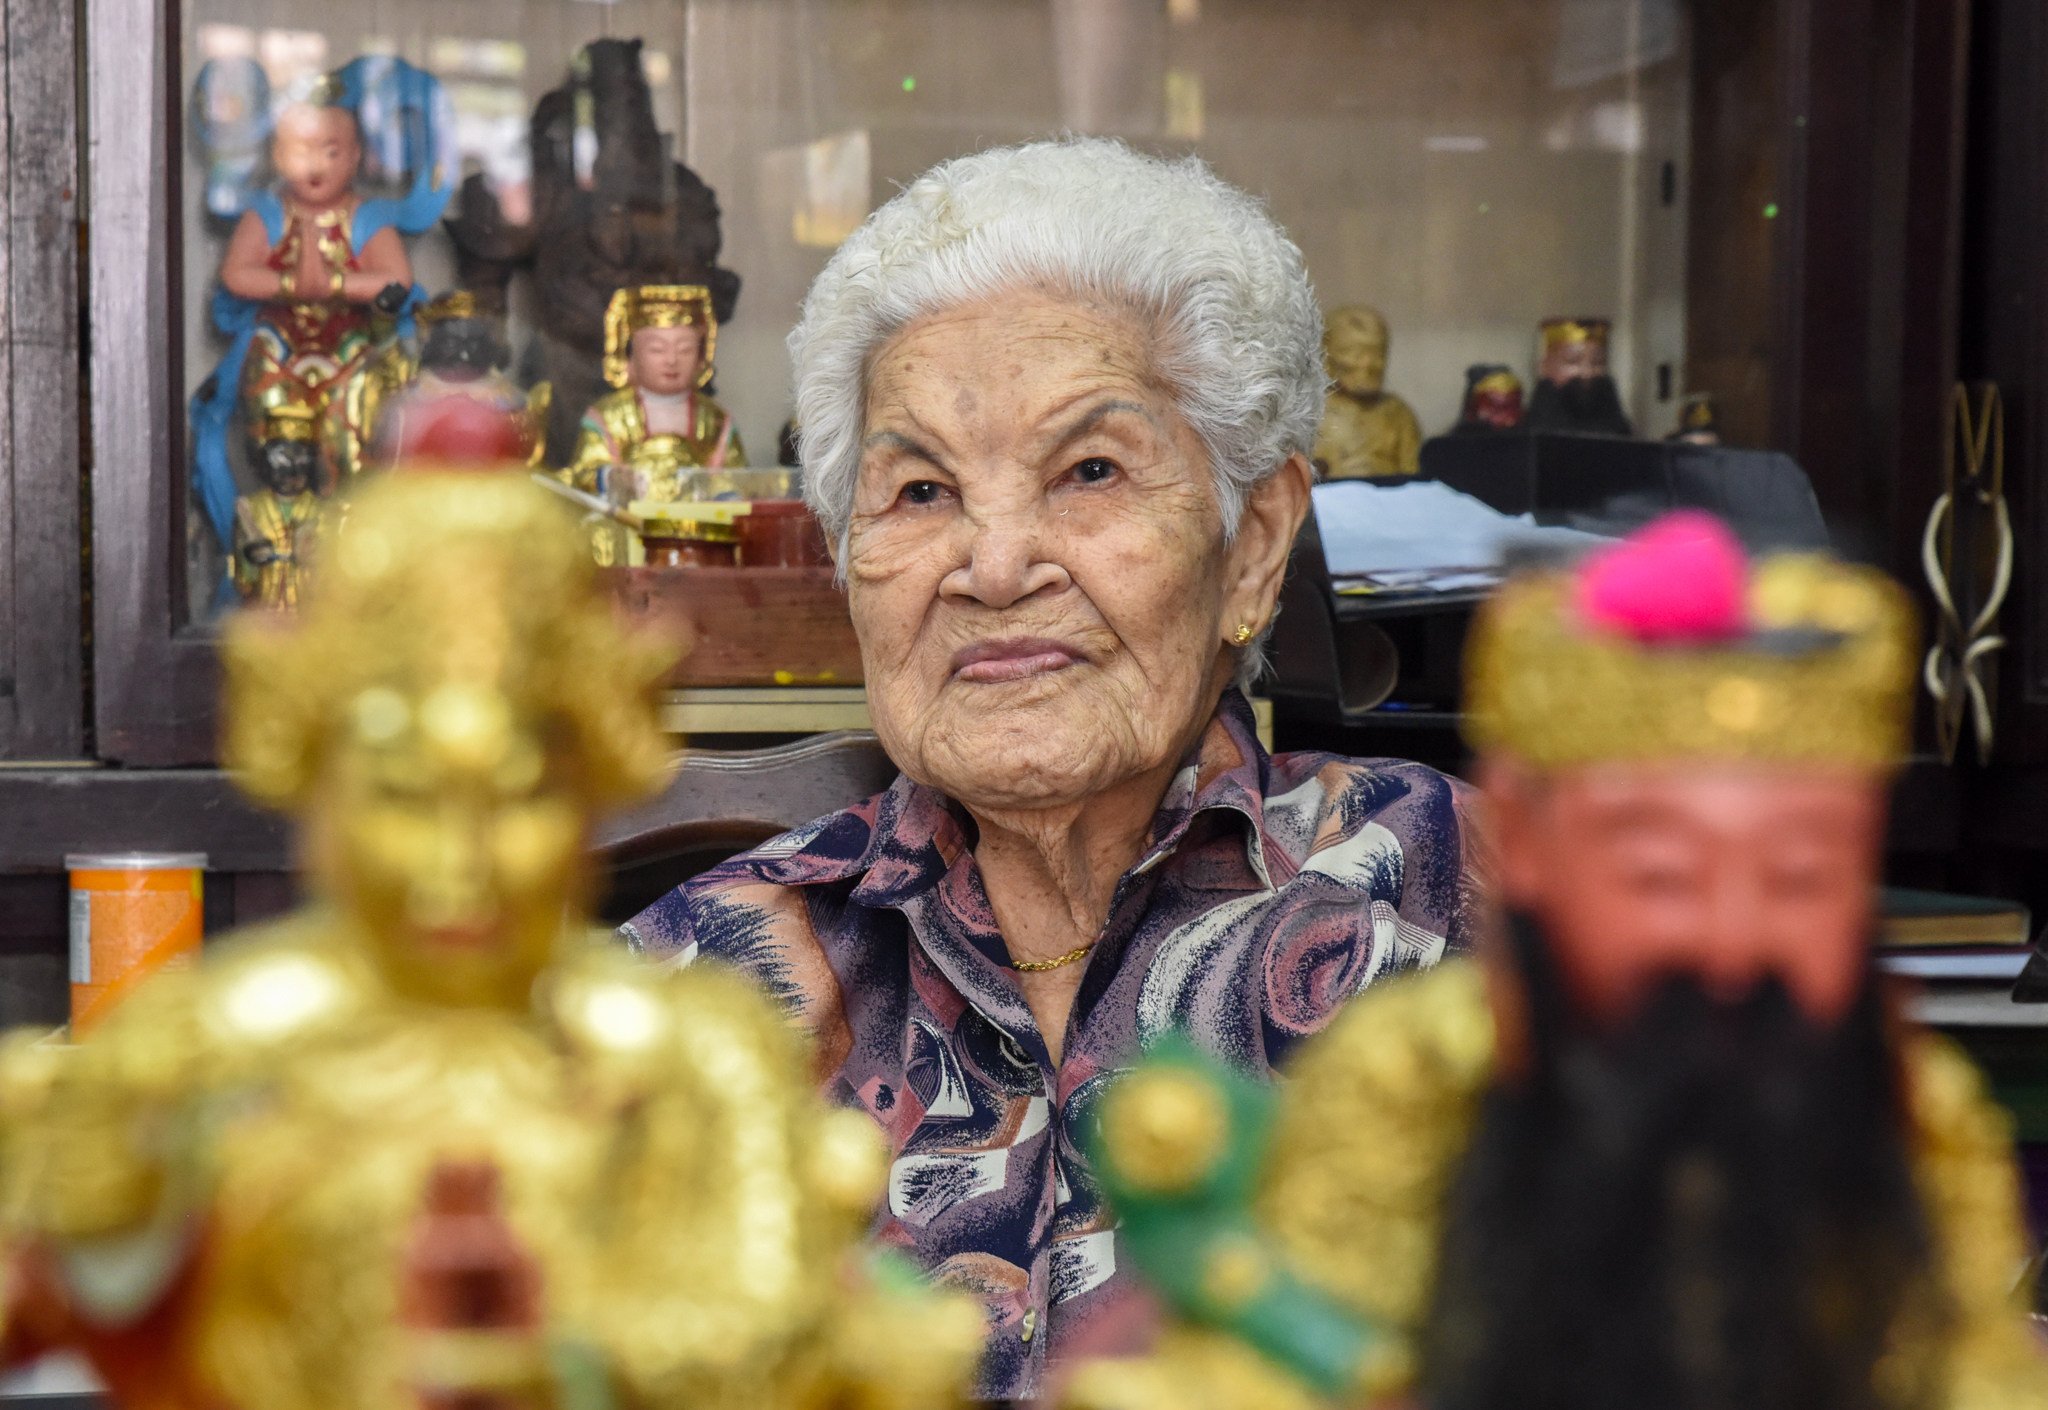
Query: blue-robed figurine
[316, 287]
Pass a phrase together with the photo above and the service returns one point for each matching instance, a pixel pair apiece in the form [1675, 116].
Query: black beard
[1711, 1209]
[1586, 405]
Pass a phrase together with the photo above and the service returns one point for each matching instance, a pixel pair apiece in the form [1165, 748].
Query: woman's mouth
[1012, 659]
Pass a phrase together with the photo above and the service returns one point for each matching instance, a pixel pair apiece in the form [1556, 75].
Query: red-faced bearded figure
[1702, 1173]
[1667, 1143]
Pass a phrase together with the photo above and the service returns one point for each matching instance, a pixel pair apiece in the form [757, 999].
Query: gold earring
[1244, 634]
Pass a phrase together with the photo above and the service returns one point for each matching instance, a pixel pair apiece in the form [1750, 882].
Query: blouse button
[1030, 1323]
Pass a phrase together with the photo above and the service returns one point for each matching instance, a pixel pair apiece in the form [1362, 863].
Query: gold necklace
[1041, 966]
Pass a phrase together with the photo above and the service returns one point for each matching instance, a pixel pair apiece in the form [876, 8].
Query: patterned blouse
[1273, 888]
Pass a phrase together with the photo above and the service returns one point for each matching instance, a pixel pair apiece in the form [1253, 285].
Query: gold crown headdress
[287, 421]
[1565, 332]
[656, 306]
[451, 600]
[1811, 662]
[456, 303]
[1498, 380]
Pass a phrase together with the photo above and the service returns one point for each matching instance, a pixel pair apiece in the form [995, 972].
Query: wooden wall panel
[42, 710]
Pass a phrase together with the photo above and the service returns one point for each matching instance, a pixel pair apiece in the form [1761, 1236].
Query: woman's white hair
[1237, 332]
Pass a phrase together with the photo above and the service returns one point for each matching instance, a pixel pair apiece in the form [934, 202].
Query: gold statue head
[678, 307]
[447, 713]
[1355, 349]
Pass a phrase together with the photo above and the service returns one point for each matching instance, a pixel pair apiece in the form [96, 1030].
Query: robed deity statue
[1575, 391]
[1667, 1140]
[431, 1141]
[636, 441]
[276, 523]
[316, 287]
[1368, 433]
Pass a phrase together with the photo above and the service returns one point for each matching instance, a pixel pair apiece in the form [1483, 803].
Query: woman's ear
[1272, 516]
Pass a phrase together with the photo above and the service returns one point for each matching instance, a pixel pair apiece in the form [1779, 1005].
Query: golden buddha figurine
[1667, 1140]
[274, 527]
[637, 442]
[1368, 433]
[430, 1142]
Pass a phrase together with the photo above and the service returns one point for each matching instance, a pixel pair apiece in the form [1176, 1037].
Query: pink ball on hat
[1683, 579]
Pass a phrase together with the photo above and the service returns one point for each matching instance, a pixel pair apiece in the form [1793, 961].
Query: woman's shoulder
[761, 898]
[1336, 795]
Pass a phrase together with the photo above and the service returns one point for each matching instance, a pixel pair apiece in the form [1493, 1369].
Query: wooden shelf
[800, 709]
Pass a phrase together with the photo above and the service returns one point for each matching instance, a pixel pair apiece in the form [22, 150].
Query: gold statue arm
[585, 470]
[734, 1206]
[1964, 1165]
[1374, 1116]
[96, 1171]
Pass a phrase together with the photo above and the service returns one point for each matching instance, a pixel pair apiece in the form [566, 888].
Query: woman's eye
[922, 492]
[1094, 470]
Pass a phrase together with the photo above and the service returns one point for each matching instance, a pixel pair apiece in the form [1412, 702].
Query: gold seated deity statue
[429, 1142]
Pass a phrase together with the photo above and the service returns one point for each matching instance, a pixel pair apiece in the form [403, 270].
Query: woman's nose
[1006, 563]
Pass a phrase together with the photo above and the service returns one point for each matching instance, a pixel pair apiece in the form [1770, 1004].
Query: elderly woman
[1057, 402]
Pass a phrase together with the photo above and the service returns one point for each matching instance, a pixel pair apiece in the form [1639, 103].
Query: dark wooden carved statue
[610, 207]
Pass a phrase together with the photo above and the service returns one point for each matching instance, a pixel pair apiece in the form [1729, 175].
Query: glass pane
[1467, 171]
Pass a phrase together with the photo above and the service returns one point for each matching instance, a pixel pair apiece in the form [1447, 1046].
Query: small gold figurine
[274, 527]
[636, 442]
[1368, 433]
[429, 1142]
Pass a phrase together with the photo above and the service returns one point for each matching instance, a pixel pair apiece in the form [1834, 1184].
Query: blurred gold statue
[1368, 433]
[427, 1142]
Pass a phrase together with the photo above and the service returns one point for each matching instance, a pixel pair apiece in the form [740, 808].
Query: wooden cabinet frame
[154, 673]
[42, 705]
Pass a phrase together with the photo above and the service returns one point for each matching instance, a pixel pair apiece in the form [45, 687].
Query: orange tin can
[132, 914]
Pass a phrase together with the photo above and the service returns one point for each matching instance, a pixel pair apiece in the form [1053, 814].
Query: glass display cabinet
[1760, 201]
[1665, 169]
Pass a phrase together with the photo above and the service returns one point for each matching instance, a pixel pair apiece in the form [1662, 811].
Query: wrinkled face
[1355, 356]
[316, 152]
[453, 838]
[1036, 565]
[1574, 361]
[666, 361]
[1725, 872]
